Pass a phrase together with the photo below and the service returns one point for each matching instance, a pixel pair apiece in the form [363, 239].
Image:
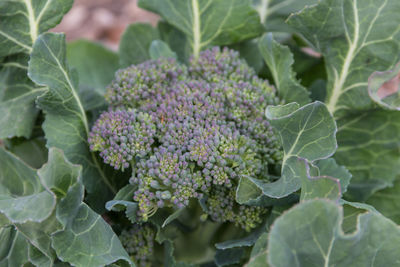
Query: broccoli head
[190, 132]
[139, 243]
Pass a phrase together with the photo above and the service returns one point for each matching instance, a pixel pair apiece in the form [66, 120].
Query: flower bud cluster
[189, 132]
[139, 243]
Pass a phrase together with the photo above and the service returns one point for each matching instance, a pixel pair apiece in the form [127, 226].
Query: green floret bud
[190, 132]
[222, 207]
[139, 243]
[135, 85]
[121, 135]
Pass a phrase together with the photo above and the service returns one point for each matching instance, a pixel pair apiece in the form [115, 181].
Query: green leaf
[176, 39]
[13, 247]
[21, 22]
[329, 167]
[123, 201]
[66, 125]
[273, 13]
[69, 216]
[160, 49]
[228, 257]
[21, 192]
[33, 151]
[351, 34]
[17, 100]
[96, 66]
[258, 256]
[279, 60]
[387, 201]
[207, 23]
[384, 88]
[315, 185]
[172, 217]
[316, 239]
[306, 133]
[135, 43]
[369, 148]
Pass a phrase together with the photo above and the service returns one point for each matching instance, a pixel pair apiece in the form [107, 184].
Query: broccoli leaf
[17, 98]
[307, 133]
[273, 13]
[206, 22]
[387, 201]
[160, 49]
[369, 148]
[20, 24]
[279, 60]
[384, 88]
[317, 239]
[66, 125]
[135, 43]
[21, 195]
[96, 66]
[356, 38]
[45, 229]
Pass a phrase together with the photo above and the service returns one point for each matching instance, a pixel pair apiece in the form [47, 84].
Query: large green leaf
[273, 13]
[21, 22]
[17, 100]
[384, 88]
[135, 43]
[356, 37]
[316, 238]
[70, 221]
[387, 201]
[21, 192]
[369, 148]
[209, 22]
[13, 247]
[306, 133]
[96, 66]
[279, 60]
[160, 49]
[66, 125]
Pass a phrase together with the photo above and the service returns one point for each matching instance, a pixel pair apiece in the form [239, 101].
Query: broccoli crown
[189, 132]
[139, 243]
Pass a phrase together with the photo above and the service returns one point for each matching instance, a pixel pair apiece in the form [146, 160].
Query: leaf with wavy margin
[369, 148]
[308, 133]
[356, 38]
[317, 239]
[384, 88]
[66, 125]
[209, 22]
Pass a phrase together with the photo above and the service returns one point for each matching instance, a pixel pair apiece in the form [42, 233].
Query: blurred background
[103, 20]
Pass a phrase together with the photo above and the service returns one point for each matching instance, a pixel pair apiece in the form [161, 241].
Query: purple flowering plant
[234, 133]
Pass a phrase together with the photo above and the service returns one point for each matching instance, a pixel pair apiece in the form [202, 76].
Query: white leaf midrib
[339, 81]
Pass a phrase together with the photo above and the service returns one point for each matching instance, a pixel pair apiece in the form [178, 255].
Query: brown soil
[102, 20]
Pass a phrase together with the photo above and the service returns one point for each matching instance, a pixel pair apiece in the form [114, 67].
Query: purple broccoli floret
[190, 133]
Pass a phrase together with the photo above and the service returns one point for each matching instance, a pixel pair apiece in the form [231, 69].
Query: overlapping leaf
[66, 125]
[135, 43]
[21, 22]
[279, 60]
[307, 133]
[273, 13]
[317, 239]
[37, 231]
[357, 38]
[384, 88]
[209, 22]
[96, 66]
[369, 148]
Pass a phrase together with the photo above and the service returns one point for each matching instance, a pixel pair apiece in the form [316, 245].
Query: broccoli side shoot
[190, 132]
